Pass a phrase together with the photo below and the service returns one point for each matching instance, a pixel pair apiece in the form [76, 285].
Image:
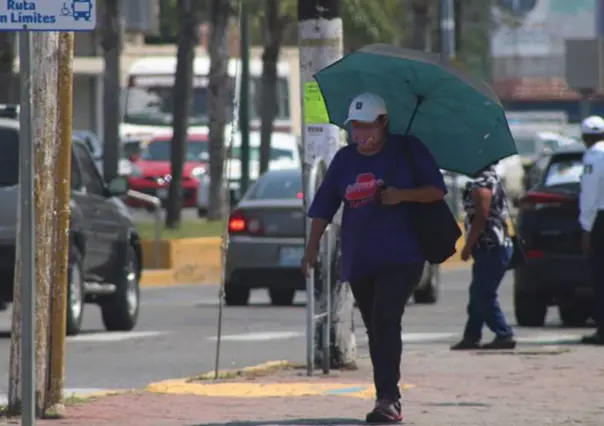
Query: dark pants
[381, 300]
[597, 261]
[488, 270]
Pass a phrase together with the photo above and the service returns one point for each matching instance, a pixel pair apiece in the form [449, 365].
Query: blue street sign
[47, 15]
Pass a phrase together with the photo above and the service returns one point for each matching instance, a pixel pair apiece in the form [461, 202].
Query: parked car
[152, 173]
[266, 244]
[556, 272]
[105, 254]
[284, 154]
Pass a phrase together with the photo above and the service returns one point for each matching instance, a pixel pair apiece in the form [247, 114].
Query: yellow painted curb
[157, 277]
[259, 390]
[202, 386]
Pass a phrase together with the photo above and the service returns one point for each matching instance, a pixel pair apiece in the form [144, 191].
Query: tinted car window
[564, 170]
[277, 186]
[9, 156]
[160, 151]
[90, 176]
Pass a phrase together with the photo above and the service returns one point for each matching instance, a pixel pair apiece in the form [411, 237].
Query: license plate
[290, 256]
[162, 193]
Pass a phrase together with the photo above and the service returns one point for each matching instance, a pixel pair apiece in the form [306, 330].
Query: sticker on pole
[48, 15]
[315, 111]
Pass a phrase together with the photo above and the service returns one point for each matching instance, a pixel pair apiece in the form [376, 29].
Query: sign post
[25, 17]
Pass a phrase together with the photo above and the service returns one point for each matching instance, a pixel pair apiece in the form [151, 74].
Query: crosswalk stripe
[112, 336]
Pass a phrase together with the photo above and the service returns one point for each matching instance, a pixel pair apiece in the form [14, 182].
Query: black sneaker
[385, 411]
[501, 343]
[593, 339]
[466, 345]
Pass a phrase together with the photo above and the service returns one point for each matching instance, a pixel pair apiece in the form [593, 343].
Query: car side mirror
[117, 186]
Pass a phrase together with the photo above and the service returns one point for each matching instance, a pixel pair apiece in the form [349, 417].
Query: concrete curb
[205, 385]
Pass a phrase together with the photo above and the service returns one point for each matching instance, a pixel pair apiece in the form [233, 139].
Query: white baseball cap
[366, 108]
[593, 125]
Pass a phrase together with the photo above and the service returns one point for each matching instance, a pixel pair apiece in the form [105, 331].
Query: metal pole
[27, 236]
[447, 40]
[244, 100]
[327, 295]
[585, 104]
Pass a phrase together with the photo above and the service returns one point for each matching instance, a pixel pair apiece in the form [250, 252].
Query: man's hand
[586, 242]
[308, 260]
[391, 196]
[466, 253]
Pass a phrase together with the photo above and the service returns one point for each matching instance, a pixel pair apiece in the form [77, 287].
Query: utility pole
[58, 307]
[447, 50]
[244, 100]
[321, 44]
[112, 47]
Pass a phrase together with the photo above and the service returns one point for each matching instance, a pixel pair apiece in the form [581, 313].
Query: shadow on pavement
[324, 421]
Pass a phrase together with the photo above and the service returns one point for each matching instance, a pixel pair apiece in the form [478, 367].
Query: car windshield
[9, 156]
[149, 100]
[160, 151]
[564, 171]
[278, 186]
[275, 154]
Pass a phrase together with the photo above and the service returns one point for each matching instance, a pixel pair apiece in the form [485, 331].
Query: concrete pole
[447, 50]
[321, 44]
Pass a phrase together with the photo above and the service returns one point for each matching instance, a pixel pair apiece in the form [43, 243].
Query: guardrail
[156, 203]
[317, 172]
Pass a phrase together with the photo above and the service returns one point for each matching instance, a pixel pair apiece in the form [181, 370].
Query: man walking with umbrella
[591, 216]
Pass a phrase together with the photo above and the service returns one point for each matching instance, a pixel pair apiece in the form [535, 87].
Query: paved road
[177, 329]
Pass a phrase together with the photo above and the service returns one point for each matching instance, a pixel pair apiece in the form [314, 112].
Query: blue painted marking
[353, 389]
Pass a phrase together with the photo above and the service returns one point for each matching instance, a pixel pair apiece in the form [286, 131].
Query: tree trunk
[7, 59]
[274, 27]
[111, 42]
[218, 100]
[420, 36]
[44, 88]
[188, 19]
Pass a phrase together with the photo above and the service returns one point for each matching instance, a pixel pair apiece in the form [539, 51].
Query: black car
[556, 272]
[105, 255]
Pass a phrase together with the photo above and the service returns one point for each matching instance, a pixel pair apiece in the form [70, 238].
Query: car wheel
[202, 213]
[281, 296]
[530, 309]
[574, 315]
[428, 291]
[75, 294]
[120, 310]
[236, 296]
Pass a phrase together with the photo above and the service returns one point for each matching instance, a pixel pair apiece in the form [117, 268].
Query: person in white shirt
[591, 216]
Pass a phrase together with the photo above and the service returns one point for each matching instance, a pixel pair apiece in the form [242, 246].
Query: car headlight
[136, 171]
[198, 172]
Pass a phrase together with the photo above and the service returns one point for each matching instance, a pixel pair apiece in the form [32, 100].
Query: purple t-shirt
[374, 236]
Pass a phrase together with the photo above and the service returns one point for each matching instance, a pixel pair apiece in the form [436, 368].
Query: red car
[151, 172]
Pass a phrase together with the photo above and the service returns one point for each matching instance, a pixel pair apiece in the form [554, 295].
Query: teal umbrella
[457, 116]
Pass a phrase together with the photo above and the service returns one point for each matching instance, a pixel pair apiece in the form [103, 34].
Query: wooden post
[59, 288]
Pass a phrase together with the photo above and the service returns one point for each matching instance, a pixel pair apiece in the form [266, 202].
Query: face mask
[366, 138]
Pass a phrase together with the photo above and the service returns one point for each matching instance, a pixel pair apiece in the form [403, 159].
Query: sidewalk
[534, 386]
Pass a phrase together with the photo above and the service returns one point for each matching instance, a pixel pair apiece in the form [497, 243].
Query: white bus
[148, 98]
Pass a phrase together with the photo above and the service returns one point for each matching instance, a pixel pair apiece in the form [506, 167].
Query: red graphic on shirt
[363, 190]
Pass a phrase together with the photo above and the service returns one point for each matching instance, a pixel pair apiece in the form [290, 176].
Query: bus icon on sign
[81, 9]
